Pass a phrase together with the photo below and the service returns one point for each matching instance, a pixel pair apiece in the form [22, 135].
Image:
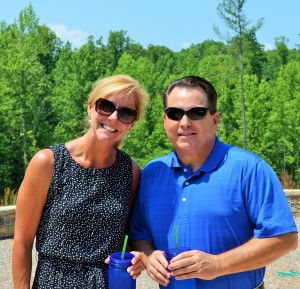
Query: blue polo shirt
[234, 196]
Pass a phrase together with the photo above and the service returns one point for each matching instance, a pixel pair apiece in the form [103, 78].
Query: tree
[254, 55]
[284, 121]
[45, 87]
[222, 71]
[259, 106]
[232, 12]
[118, 42]
[27, 58]
[188, 60]
[276, 58]
[74, 75]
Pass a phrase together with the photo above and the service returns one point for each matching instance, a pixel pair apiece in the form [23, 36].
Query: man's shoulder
[240, 153]
[161, 161]
[240, 158]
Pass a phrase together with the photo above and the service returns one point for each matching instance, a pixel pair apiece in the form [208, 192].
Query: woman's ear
[89, 111]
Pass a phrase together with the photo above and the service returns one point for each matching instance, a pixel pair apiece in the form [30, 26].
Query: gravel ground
[279, 274]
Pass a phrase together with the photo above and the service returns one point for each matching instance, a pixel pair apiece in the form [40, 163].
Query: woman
[76, 197]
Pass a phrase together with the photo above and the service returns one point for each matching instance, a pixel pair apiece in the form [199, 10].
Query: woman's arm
[30, 203]
[135, 182]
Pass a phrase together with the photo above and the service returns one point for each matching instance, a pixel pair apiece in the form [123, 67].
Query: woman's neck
[90, 154]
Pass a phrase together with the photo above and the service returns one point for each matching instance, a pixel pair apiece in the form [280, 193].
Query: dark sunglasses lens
[196, 113]
[174, 113]
[127, 115]
[104, 106]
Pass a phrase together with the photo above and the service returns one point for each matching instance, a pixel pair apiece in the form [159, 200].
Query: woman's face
[109, 128]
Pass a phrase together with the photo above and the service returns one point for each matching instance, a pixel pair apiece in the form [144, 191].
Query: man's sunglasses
[194, 113]
[125, 114]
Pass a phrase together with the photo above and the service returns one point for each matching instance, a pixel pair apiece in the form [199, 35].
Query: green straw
[176, 238]
[124, 247]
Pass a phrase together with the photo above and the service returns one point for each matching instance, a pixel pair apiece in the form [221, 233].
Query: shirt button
[183, 199]
[187, 183]
[185, 170]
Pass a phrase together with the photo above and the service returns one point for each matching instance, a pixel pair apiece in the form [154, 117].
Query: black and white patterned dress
[83, 221]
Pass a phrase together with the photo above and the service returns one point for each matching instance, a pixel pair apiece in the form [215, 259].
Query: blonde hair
[120, 83]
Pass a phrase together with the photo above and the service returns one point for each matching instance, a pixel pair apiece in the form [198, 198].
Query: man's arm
[145, 246]
[254, 254]
[257, 253]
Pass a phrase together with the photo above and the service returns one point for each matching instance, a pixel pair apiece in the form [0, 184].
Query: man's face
[189, 136]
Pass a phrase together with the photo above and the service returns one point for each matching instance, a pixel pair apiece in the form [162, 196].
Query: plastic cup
[118, 277]
[179, 284]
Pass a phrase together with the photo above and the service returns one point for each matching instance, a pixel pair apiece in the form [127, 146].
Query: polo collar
[215, 157]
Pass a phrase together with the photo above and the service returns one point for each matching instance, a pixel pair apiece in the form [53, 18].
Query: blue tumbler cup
[118, 277]
[179, 284]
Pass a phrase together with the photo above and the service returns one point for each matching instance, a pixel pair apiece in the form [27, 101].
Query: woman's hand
[137, 267]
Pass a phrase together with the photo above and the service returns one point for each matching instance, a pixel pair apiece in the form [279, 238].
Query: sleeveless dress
[83, 221]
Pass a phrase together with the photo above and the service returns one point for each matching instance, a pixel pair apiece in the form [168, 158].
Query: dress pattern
[83, 221]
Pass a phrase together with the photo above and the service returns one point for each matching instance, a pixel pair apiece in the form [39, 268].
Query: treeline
[44, 85]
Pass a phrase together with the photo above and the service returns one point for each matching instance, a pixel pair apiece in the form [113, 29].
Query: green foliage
[25, 93]
[9, 197]
[45, 86]
[284, 120]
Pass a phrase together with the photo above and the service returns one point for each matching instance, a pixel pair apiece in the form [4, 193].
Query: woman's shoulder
[40, 170]
[123, 155]
[135, 166]
[43, 158]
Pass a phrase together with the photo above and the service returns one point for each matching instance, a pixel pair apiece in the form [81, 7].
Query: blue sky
[171, 23]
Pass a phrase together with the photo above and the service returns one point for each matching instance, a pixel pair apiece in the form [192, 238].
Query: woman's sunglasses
[194, 113]
[106, 107]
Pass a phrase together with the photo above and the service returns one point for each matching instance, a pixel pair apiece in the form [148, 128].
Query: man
[227, 204]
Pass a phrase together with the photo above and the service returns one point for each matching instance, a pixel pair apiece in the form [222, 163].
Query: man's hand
[194, 264]
[157, 268]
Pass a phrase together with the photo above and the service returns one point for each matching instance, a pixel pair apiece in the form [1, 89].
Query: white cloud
[186, 45]
[76, 37]
[268, 46]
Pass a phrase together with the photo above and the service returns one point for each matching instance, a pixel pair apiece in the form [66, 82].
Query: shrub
[9, 198]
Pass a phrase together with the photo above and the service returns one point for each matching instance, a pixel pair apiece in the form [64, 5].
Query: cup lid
[172, 252]
[116, 259]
